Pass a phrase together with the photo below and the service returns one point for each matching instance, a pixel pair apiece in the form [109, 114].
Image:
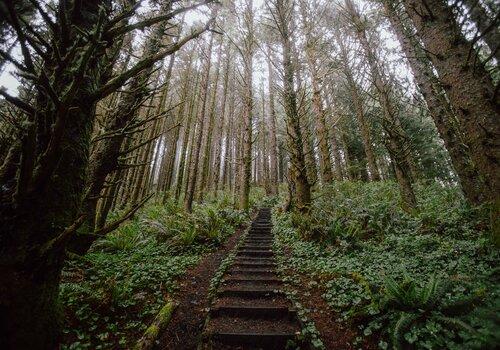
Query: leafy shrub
[111, 294]
[346, 211]
[410, 308]
[126, 238]
[357, 242]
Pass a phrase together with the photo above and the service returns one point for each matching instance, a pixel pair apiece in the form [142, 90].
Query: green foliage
[408, 307]
[127, 237]
[257, 197]
[111, 294]
[358, 245]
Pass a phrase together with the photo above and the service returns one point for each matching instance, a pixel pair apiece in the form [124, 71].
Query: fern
[401, 326]
[394, 292]
[456, 323]
[428, 294]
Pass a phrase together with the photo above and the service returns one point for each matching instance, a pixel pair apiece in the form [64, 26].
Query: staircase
[250, 312]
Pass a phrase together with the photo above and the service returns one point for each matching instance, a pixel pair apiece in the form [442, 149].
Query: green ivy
[364, 251]
[110, 295]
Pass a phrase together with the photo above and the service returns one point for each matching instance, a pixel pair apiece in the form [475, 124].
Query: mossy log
[160, 322]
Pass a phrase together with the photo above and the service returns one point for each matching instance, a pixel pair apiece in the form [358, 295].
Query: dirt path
[186, 325]
[250, 312]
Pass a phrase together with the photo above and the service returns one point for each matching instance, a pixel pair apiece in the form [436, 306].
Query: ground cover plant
[134, 134]
[427, 280]
[109, 295]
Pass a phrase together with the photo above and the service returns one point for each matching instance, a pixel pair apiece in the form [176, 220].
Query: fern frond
[456, 324]
[401, 326]
[393, 291]
[437, 297]
[428, 292]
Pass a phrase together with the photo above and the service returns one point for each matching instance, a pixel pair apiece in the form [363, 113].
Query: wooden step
[249, 292]
[267, 312]
[247, 252]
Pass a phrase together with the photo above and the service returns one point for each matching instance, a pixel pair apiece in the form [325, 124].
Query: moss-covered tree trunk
[295, 140]
[248, 101]
[40, 199]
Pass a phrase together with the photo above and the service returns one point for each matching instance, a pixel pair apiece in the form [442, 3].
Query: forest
[249, 174]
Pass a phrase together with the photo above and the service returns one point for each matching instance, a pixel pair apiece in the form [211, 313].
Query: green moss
[165, 313]
[152, 331]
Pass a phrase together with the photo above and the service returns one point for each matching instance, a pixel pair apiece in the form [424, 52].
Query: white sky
[195, 17]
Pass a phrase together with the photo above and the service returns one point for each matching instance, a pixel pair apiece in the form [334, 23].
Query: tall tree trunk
[294, 140]
[469, 86]
[273, 145]
[396, 139]
[188, 120]
[222, 114]
[207, 148]
[439, 108]
[42, 199]
[357, 100]
[193, 172]
[317, 102]
[264, 136]
[228, 149]
[334, 133]
[248, 52]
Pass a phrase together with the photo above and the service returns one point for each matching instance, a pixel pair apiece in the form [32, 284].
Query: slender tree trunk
[193, 173]
[317, 102]
[207, 148]
[273, 145]
[220, 130]
[248, 100]
[186, 135]
[337, 159]
[396, 140]
[357, 100]
[228, 150]
[264, 136]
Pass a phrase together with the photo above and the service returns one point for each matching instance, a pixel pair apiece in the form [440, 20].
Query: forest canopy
[139, 137]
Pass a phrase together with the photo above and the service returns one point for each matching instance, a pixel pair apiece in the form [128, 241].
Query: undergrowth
[423, 281]
[109, 296]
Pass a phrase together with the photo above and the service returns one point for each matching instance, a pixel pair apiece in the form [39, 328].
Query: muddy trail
[249, 311]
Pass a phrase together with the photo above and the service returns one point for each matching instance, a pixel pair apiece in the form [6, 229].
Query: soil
[333, 333]
[184, 329]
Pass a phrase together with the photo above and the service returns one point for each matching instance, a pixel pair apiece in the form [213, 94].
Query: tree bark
[273, 145]
[193, 172]
[294, 133]
[468, 86]
[439, 108]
